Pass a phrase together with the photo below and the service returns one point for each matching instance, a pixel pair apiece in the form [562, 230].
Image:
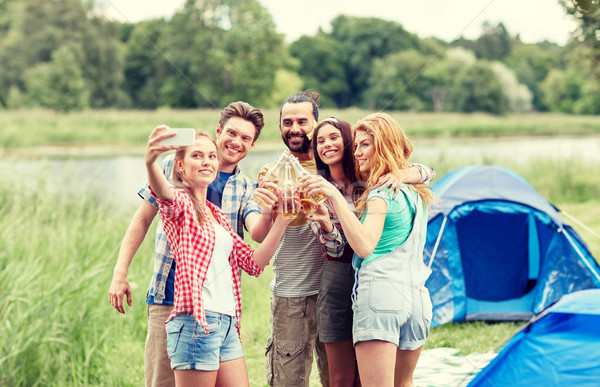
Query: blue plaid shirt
[237, 202]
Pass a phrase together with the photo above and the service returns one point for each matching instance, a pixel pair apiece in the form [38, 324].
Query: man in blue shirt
[238, 129]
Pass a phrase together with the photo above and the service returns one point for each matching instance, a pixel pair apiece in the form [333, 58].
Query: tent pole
[437, 241]
[581, 224]
[579, 253]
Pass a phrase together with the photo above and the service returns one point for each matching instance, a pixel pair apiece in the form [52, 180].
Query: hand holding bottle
[267, 197]
[281, 216]
[315, 185]
[270, 180]
[299, 173]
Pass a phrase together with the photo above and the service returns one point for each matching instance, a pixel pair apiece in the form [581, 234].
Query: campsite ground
[60, 245]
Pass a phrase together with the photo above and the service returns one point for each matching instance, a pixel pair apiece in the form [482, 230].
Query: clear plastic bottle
[288, 186]
[309, 203]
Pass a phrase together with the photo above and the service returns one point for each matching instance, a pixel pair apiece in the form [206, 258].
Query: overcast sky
[534, 20]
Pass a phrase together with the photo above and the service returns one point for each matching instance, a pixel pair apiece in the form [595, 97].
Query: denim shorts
[190, 348]
[388, 308]
[334, 303]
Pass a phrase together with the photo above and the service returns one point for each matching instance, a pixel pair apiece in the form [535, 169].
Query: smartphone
[182, 137]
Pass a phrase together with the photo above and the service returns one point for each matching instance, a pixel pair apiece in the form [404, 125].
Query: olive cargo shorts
[294, 337]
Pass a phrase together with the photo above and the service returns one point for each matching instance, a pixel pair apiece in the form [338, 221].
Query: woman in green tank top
[381, 147]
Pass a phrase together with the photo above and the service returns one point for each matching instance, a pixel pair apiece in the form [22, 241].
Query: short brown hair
[245, 111]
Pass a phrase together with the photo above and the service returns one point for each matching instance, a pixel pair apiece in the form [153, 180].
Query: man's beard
[304, 147]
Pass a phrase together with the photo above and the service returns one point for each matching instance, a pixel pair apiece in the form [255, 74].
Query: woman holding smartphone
[203, 331]
[392, 308]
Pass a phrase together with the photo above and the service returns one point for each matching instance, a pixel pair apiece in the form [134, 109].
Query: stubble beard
[304, 147]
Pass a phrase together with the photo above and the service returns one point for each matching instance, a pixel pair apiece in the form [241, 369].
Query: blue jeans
[190, 348]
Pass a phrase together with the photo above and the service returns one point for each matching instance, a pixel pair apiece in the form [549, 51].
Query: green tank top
[397, 226]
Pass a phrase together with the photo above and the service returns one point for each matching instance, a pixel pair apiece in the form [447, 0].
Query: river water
[118, 178]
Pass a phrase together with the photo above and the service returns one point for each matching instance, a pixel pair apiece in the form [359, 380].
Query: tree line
[66, 55]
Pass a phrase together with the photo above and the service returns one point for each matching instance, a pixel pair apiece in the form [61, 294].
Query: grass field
[55, 268]
[122, 129]
[59, 249]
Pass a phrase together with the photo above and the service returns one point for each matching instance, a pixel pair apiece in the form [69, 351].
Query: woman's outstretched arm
[158, 182]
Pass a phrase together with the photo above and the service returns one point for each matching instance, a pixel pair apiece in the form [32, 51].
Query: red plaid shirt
[193, 245]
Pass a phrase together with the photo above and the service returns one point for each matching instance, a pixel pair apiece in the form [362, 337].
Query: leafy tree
[555, 92]
[477, 89]
[463, 43]
[577, 61]
[494, 43]
[589, 102]
[102, 65]
[19, 45]
[532, 63]
[287, 82]
[5, 20]
[58, 84]
[517, 95]
[462, 55]
[362, 41]
[250, 53]
[588, 13]
[396, 82]
[15, 98]
[189, 50]
[575, 89]
[41, 27]
[219, 51]
[144, 65]
[438, 78]
[432, 46]
[322, 67]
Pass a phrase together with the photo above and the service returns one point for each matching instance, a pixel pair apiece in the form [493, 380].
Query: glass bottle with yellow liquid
[309, 203]
[287, 185]
[274, 174]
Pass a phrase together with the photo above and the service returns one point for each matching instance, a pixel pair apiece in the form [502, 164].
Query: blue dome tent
[498, 250]
[559, 347]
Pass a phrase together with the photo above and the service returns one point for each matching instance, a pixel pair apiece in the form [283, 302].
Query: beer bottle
[288, 186]
[309, 204]
[274, 174]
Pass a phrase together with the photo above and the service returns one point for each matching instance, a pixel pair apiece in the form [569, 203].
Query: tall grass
[59, 246]
[55, 265]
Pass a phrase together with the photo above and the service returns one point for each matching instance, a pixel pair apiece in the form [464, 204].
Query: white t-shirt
[217, 292]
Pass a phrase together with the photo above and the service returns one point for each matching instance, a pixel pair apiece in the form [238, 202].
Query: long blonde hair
[181, 181]
[392, 150]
